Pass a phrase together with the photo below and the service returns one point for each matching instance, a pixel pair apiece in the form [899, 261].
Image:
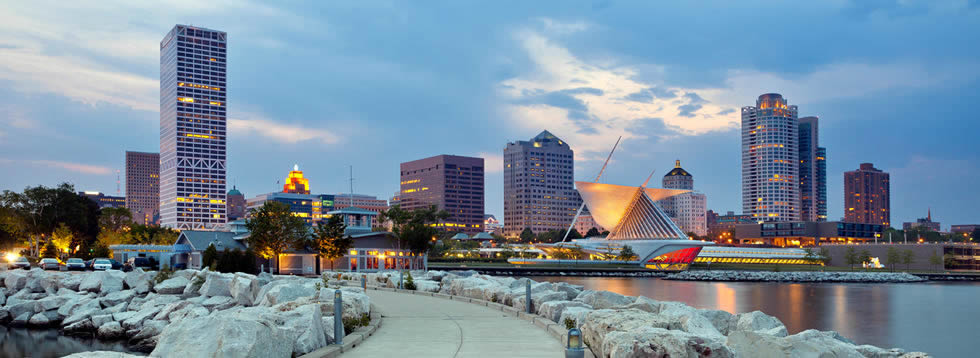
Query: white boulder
[659, 342]
[603, 299]
[216, 284]
[244, 288]
[759, 322]
[116, 298]
[598, 323]
[172, 286]
[553, 309]
[111, 330]
[305, 324]
[245, 332]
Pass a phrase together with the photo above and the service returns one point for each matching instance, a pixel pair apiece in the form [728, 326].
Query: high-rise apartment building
[539, 187]
[143, 186]
[867, 196]
[688, 210]
[450, 182]
[770, 160]
[193, 128]
[813, 172]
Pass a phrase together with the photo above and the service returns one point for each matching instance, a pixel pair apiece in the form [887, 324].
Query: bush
[209, 257]
[409, 283]
[494, 298]
[569, 323]
[164, 274]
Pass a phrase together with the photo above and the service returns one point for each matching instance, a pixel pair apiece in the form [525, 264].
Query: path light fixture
[574, 347]
[527, 298]
[338, 318]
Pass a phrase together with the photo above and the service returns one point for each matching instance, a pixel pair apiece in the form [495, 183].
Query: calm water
[937, 318]
[48, 343]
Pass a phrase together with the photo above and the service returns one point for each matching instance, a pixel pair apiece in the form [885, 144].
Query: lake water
[48, 343]
[939, 318]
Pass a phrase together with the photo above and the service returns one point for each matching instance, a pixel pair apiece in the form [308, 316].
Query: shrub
[409, 283]
[494, 298]
[209, 257]
[197, 283]
[164, 274]
[569, 323]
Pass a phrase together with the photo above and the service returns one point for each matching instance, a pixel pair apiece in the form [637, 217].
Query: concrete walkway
[425, 326]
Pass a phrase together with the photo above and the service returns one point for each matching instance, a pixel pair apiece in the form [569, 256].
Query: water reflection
[934, 317]
[49, 343]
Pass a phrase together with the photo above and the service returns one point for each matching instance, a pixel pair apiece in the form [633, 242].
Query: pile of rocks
[801, 276]
[192, 313]
[614, 325]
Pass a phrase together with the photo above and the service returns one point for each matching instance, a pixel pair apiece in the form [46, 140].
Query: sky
[371, 84]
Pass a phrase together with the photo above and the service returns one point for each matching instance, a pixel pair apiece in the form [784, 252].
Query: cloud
[75, 167]
[492, 163]
[256, 125]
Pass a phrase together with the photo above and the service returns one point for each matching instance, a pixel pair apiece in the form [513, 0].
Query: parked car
[102, 264]
[74, 264]
[48, 263]
[146, 263]
[21, 262]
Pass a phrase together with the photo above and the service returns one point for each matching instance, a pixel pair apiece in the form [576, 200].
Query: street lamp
[574, 347]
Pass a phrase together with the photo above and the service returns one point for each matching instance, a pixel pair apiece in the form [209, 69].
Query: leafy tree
[604, 233]
[506, 253]
[62, 237]
[274, 229]
[851, 257]
[527, 235]
[593, 232]
[108, 238]
[935, 260]
[101, 250]
[865, 257]
[50, 250]
[415, 229]
[908, 258]
[247, 264]
[209, 256]
[152, 235]
[38, 211]
[574, 234]
[329, 241]
[626, 253]
[810, 257]
[115, 219]
[948, 261]
[825, 255]
[892, 258]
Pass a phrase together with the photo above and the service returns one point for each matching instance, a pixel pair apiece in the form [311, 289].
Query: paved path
[425, 326]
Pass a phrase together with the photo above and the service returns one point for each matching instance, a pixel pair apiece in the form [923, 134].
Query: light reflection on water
[935, 317]
[48, 343]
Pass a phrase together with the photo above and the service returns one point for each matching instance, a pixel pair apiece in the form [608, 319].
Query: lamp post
[364, 282]
[338, 318]
[527, 296]
[574, 347]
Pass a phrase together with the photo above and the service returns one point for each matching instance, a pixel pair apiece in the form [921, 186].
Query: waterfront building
[960, 229]
[296, 183]
[770, 160]
[450, 182]
[492, 225]
[813, 172]
[236, 204]
[720, 224]
[305, 206]
[925, 223]
[104, 201]
[368, 202]
[688, 210]
[539, 192]
[867, 196]
[805, 233]
[193, 128]
[143, 186]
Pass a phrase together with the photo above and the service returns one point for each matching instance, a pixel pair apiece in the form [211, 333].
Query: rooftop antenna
[351, 186]
[579, 212]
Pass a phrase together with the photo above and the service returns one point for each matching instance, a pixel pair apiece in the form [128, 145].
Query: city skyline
[668, 104]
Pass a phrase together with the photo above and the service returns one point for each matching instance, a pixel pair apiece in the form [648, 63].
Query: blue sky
[375, 83]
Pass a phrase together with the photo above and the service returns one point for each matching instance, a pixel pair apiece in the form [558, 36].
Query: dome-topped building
[235, 206]
[678, 178]
[688, 210]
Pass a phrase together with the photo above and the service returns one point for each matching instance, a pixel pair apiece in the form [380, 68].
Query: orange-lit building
[296, 183]
[867, 196]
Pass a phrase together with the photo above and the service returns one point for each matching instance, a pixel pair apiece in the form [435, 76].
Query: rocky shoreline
[189, 313]
[620, 326]
[796, 276]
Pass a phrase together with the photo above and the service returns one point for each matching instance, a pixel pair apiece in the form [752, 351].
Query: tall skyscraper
[143, 186]
[813, 172]
[452, 183]
[539, 187]
[688, 210]
[193, 128]
[770, 160]
[867, 196]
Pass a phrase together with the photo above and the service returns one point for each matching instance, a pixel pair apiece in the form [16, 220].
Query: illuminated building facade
[721, 224]
[193, 129]
[143, 186]
[450, 182]
[539, 192]
[813, 172]
[296, 183]
[688, 210]
[104, 201]
[925, 223]
[586, 222]
[236, 204]
[867, 196]
[305, 206]
[770, 160]
[805, 233]
[368, 202]
[492, 225]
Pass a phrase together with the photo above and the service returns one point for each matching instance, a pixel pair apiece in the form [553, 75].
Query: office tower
[143, 186]
[688, 210]
[813, 172]
[450, 182]
[770, 160]
[296, 183]
[539, 189]
[193, 128]
[236, 204]
[867, 196]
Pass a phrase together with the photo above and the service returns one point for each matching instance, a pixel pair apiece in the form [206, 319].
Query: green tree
[39, 210]
[62, 237]
[50, 250]
[892, 258]
[209, 256]
[274, 229]
[101, 250]
[574, 234]
[908, 258]
[115, 219]
[329, 241]
[851, 257]
[415, 229]
[626, 253]
[825, 255]
[152, 235]
[948, 260]
[810, 257]
[935, 260]
[593, 232]
[865, 257]
[527, 235]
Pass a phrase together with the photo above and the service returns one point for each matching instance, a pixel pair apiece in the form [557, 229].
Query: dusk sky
[372, 84]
